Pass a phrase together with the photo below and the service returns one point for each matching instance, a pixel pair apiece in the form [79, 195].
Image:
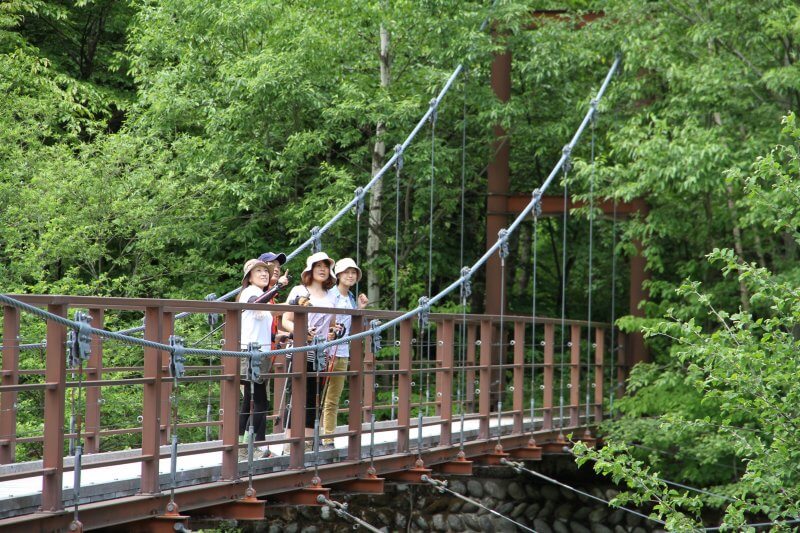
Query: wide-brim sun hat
[250, 264]
[316, 258]
[345, 263]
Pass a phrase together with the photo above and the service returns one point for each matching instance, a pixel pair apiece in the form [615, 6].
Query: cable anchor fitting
[213, 318]
[376, 335]
[466, 285]
[316, 243]
[254, 356]
[425, 311]
[567, 151]
[434, 104]
[177, 357]
[537, 203]
[79, 340]
[439, 484]
[398, 163]
[319, 354]
[359, 202]
[503, 237]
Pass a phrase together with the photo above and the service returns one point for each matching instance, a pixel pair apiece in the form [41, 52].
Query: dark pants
[313, 398]
[260, 409]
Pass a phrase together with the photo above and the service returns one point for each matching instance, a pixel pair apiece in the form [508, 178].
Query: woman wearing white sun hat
[317, 279]
[347, 274]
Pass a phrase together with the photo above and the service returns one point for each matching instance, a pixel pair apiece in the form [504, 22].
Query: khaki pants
[330, 402]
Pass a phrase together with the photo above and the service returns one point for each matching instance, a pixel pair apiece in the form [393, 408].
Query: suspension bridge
[428, 392]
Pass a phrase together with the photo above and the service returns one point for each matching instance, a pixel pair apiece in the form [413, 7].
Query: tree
[730, 396]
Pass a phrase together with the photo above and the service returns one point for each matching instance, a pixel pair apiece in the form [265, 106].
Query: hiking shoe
[327, 446]
[242, 453]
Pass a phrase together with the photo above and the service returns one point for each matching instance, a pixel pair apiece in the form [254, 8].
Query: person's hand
[363, 301]
[311, 333]
[284, 279]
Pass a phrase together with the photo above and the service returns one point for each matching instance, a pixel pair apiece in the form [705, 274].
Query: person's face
[273, 268]
[349, 277]
[259, 276]
[320, 271]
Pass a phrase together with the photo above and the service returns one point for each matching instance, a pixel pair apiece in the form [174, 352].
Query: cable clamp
[517, 466]
[424, 312]
[537, 203]
[79, 340]
[359, 201]
[319, 354]
[213, 318]
[434, 110]
[398, 163]
[439, 484]
[316, 243]
[466, 285]
[503, 237]
[376, 335]
[177, 357]
[254, 356]
[567, 151]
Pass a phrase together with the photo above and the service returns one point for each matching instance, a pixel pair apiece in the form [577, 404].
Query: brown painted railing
[466, 353]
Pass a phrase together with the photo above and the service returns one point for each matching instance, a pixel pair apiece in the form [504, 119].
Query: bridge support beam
[498, 177]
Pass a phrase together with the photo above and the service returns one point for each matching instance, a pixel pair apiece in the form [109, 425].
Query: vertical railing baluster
[297, 413]
[355, 413]
[548, 370]
[151, 404]
[94, 371]
[444, 378]
[167, 328]
[519, 376]
[229, 397]
[485, 378]
[10, 376]
[54, 399]
[599, 351]
[404, 387]
[575, 376]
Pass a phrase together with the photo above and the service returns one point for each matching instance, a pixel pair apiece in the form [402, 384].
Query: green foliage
[722, 412]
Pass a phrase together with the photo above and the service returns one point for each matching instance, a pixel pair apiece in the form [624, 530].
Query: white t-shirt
[321, 321]
[342, 302]
[256, 325]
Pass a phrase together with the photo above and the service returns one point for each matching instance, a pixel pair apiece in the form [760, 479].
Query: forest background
[147, 148]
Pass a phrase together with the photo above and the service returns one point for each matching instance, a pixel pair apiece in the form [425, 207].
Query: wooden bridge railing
[467, 364]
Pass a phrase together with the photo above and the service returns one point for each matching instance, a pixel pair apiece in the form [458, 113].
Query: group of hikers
[324, 283]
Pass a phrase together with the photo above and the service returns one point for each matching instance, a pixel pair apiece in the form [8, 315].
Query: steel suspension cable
[341, 510]
[612, 392]
[501, 378]
[442, 487]
[398, 170]
[590, 286]
[519, 467]
[535, 230]
[462, 353]
[391, 323]
[467, 273]
[563, 304]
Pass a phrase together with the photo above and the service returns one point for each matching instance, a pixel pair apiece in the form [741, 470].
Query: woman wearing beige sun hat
[348, 274]
[256, 328]
[317, 279]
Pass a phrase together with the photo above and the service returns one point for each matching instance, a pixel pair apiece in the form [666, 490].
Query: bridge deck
[23, 495]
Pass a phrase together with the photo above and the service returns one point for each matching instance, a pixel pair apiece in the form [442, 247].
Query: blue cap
[272, 256]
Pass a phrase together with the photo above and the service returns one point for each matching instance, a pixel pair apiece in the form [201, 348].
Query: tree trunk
[378, 153]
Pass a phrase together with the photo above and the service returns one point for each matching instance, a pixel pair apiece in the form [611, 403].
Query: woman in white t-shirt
[256, 328]
[317, 279]
[348, 274]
